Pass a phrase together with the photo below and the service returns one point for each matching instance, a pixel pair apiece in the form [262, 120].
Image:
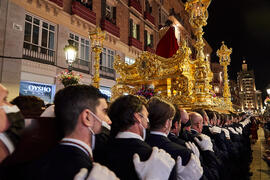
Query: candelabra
[198, 13]
[97, 37]
[224, 60]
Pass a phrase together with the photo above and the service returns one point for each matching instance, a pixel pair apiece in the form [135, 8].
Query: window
[148, 39]
[83, 45]
[110, 14]
[148, 8]
[129, 60]
[134, 29]
[86, 3]
[107, 58]
[162, 17]
[39, 35]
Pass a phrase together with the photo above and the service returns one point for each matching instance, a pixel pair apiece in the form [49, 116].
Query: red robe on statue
[167, 45]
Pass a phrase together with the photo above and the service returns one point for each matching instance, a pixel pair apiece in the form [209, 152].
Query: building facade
[251, 100]
[33, 34]
[235, 98]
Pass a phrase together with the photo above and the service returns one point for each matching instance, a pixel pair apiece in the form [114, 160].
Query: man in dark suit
[129, 118]
[161, 114]
[79, 111]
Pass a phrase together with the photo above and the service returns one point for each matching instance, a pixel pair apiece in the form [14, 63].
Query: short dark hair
[159, 112]
[71, 101]
[121, 112]
[30, 106]
[210, 114]
[177, 116]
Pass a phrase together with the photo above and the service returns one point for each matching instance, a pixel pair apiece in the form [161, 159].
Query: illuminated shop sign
[44, 91]
[106, 91]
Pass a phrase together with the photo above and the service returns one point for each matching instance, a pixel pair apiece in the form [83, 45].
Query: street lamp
[97, 37]
[268, 89]
[70, 53]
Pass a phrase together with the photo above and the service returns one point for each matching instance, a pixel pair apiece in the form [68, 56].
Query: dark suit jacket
[176, 140]
[63, 162]
[119, 156]
[170, 147]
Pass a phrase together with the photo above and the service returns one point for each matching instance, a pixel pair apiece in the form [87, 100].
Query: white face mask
[144, 132]
[92, 132]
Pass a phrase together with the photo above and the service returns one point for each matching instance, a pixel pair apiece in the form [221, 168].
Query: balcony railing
[82, 65]
[134, 42]
[149, 49]
[110, 27]
[149, 17]
[136, 5]
[84, 12]
[107, 73]
[39, 54]
[58, 2]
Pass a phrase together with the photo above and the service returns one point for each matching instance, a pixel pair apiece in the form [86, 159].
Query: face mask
[144, 132]
[92, 132]
[93, 138]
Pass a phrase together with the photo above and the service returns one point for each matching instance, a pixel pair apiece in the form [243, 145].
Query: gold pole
[97, 37]
[224, 59]
[197, 10]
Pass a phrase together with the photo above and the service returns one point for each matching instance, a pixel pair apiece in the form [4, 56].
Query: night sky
[244, 26]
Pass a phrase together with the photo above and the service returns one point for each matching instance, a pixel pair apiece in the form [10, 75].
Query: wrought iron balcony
[106, 72]
[149, 17]
[39, 54]
[58, 2]
[82, 65]
[82, 11]
[110, 27]
[134, 42]
[136, 5]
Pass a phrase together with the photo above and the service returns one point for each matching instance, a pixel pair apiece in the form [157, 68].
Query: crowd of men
[131, 138]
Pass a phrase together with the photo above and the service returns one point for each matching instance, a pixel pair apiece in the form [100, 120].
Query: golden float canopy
[179, 79]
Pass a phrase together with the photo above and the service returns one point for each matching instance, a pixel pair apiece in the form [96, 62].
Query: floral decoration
[69, 78]
[146, 92]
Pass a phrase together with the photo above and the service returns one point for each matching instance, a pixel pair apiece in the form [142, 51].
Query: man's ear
[176, 124]
[86, 118]
[137, 117]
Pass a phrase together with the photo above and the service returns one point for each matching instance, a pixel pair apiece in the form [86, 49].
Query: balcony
[58, 2]
[149, 17]
[106, 72]
[40, 54]
[136, 5]
[149, 49]
[83, 12]
[110, 27]
[82, 65]
[134, 42]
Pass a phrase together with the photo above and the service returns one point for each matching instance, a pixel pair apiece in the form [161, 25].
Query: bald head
[184, 116]
[196, 121]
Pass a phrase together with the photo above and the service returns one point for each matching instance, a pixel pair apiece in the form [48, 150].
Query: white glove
[98, 172]
[192, 171]
[193, 148]
[215, 130]
[239, 130]
[205, 144]
[227, 133]
[232, 130]
[157, 167]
